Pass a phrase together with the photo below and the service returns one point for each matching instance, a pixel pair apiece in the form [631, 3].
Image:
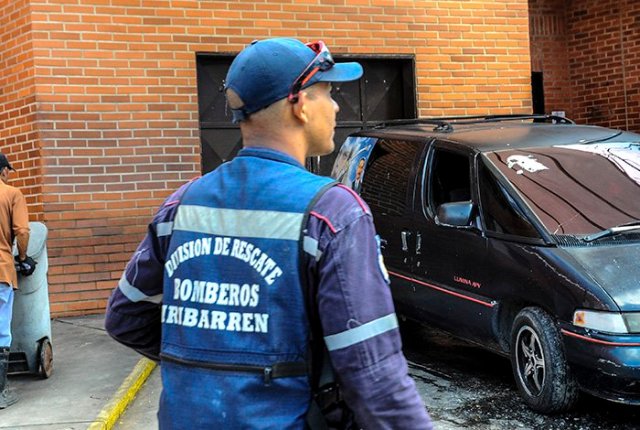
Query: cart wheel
[45, 367]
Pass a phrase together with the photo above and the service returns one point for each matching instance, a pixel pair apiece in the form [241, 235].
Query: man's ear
[300, 109]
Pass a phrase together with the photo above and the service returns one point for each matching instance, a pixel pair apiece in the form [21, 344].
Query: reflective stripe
[361, 333]
[134, 294]
[310, 246]
[164, 228]
[239, 222]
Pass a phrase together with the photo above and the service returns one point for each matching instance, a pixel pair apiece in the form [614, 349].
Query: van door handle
[403, 236]
[418, 243]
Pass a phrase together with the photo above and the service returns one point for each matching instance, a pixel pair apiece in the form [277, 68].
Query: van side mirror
[455, 214]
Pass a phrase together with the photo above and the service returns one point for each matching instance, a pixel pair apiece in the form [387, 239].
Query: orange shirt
[14, 220]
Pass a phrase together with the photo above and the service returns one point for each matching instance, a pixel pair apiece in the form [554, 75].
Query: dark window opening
[386, 184]
[537, 92]
[449, 178]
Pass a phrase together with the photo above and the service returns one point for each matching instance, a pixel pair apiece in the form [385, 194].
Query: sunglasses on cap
[323, 61]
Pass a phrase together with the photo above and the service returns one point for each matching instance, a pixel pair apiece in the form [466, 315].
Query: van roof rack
[445, 124]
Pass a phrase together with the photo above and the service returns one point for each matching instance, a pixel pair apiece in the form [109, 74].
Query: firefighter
[254, 270]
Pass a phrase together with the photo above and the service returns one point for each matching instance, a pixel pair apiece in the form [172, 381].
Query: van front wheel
[539, 363]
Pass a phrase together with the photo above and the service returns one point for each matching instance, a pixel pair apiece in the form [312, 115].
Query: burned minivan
[517, 233]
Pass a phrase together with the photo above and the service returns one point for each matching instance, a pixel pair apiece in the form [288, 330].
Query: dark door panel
[454, 283]
[212, 106]
[218, 146]
[464, 314]
[386, 91]
[452, 267]
[348, 95]
[404, 292]
[388, 188]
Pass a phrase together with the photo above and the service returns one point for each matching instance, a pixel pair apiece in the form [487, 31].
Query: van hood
[616, 268]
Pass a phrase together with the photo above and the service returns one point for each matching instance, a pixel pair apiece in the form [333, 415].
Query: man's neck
[289, 143]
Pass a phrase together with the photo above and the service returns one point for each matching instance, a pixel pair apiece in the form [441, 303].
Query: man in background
[14, 224]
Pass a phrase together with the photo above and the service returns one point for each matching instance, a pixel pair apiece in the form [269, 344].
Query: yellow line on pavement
[125, 394]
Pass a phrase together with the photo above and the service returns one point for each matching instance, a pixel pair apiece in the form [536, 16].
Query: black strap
[316, 343]
[284, 369]
[325, 391]
[315, 417]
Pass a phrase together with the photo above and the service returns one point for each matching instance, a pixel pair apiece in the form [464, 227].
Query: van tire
[539, 363]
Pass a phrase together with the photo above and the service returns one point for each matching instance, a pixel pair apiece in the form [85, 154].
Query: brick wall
[548, 33]
[589, 52]
[604, 60]
[18, 132]
[117, 99]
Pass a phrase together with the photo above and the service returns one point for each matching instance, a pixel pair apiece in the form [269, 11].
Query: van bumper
[606, 366]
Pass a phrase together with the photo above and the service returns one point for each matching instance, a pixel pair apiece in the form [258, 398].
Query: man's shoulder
[8, 188]
[342, 196]
[9, 191]
[167, 210]
[341, 206]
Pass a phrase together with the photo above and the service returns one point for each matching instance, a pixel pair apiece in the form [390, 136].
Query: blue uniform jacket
[353, 302]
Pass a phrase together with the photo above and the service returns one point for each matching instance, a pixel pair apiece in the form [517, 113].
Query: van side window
[499, 211]
[449, 178]
[385, 185]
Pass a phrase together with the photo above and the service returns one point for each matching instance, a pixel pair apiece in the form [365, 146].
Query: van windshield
[576, 189]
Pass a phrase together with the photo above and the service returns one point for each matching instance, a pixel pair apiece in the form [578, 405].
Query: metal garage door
[386, 91]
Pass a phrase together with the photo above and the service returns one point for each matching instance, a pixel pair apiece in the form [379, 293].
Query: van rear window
[386, 183]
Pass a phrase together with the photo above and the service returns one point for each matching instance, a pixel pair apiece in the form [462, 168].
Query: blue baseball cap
[265, 71]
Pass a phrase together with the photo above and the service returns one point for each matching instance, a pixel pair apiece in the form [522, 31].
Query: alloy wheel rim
[530, 361]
